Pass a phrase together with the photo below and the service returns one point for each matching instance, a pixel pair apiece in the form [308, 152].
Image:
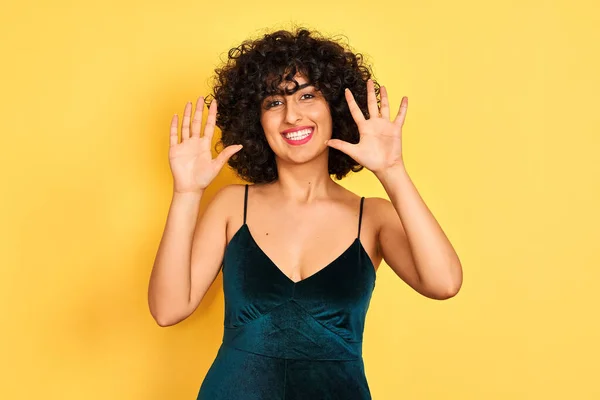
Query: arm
[412, 242]
[190, 253]
[189, 256]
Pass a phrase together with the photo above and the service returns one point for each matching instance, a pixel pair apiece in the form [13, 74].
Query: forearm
[170, 280]
[438, 265]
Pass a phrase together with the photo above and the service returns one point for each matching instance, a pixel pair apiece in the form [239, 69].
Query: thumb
[343, 146]
[226, 154]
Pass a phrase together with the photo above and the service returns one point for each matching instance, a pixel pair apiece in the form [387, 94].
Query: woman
[299, 252]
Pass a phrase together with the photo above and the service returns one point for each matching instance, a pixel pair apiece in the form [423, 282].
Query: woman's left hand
[380, 144]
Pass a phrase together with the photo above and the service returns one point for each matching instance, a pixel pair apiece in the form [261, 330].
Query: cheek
[269, 123]
[323, 116]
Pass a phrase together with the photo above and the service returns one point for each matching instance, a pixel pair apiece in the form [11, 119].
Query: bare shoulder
[378, 209]
[221, 205]
[228, 196]
[378, 202]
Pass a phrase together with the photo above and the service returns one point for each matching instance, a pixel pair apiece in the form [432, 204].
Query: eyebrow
[304, 85]
[281, 91]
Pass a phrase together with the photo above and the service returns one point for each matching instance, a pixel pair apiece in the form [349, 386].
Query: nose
[292, 113]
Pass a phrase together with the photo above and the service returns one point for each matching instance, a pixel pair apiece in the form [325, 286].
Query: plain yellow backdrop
[501, 140]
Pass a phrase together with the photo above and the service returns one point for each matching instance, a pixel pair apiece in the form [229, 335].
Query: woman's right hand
[191, 161]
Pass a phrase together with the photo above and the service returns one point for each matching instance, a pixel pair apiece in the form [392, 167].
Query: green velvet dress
[289, 340]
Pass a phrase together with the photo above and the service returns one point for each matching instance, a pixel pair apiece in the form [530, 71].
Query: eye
[272, 103]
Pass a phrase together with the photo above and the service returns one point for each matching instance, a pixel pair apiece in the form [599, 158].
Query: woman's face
[296, 126]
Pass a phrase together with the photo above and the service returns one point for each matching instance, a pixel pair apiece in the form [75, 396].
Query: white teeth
[298, 135]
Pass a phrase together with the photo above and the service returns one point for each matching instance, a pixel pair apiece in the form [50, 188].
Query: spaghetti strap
[245, 203]
[362, 200]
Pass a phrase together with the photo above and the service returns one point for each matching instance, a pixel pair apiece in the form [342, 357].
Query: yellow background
[501, 140]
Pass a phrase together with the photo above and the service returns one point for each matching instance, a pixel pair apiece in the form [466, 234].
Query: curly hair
[255, 70]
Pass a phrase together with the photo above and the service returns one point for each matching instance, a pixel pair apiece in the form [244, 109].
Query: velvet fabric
[289, 340]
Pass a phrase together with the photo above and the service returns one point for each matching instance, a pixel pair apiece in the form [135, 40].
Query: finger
[344, 147]
[173, 134]
[385, 104]
[209, 129]
[226, 154]
[185, 125]
[197, 121]
[402, 112]
[354, 108]
[372, 100]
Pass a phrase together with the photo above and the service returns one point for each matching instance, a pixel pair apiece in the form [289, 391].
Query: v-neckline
[318, 272]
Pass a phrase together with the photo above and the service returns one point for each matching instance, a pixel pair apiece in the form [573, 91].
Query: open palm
[191, 161]
[380, 144]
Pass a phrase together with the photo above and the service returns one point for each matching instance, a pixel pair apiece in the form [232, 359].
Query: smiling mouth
[298, 135]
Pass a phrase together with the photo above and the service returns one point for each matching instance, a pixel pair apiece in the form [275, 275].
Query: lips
[298, 128]
[298, 136]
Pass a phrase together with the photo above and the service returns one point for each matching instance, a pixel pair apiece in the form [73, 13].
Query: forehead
[286, 87]
[301, 79]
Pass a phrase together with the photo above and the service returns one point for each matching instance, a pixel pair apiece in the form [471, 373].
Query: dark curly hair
[255, 69]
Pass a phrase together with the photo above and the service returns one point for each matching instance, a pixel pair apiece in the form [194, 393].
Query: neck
[305, 182]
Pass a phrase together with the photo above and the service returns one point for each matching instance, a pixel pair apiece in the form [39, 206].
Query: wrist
[391, 172]
[191, 195]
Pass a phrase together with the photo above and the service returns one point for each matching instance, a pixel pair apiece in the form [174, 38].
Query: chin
[306, 154]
